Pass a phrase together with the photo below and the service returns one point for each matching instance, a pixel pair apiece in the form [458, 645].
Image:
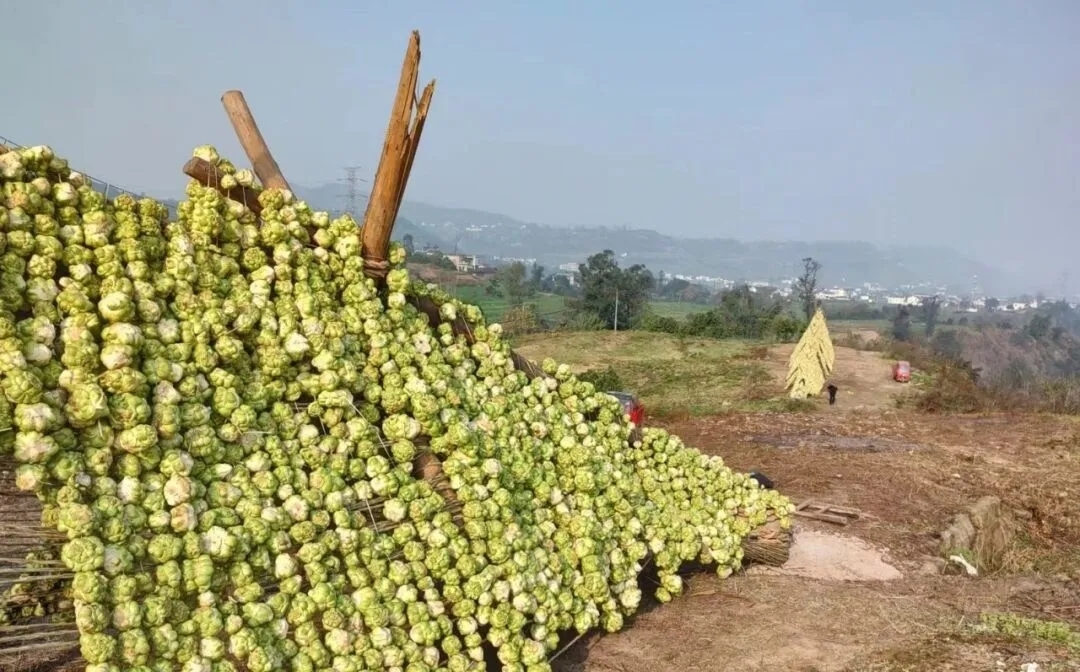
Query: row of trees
[929, 311]
[805, 289]
[740, 313]
[608, 296]
[616, 297]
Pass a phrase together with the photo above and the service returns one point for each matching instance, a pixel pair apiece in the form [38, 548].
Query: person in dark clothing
[833, 389]
[764, 481]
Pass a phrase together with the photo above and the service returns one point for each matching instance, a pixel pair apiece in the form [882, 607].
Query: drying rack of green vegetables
[247, 440]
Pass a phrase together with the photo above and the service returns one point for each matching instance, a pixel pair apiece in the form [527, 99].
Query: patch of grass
[676, 309]
[927, 655]
[859, 341]
[673, 376]
[495, 307]
[967, 554]
[880, 326]
[1024, 629]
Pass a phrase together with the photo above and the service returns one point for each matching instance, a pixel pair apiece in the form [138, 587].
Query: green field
[676, 309]
[494, 307]
[672, 376]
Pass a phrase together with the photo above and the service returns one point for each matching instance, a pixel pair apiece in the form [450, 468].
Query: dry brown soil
[907, 474]
[864, 378]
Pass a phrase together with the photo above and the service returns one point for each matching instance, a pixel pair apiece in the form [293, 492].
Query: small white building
[571, 277]
[910, 300]
[834, 294]
[464, 263]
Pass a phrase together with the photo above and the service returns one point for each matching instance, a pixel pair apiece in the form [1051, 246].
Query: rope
[376, 268]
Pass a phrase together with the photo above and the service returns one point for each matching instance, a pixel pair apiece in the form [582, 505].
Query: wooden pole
[388, 187]
[251, 139]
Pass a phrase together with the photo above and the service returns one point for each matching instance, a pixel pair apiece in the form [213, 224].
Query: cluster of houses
[951, 301]
[973, 304]
[874, 294]
[471, 263]
[868, 293]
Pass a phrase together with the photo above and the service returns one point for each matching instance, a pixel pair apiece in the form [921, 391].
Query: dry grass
[674, 377]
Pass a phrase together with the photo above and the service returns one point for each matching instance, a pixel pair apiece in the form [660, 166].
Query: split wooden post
[251, 140]
[414, 142]
[399, 151]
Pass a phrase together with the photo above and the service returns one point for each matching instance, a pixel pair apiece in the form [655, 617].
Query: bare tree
[806, 286]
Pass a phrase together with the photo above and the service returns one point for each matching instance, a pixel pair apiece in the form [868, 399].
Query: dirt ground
[907, 474]
[864, 378]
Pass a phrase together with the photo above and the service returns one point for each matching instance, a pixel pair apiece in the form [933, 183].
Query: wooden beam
[206, 173]
[251, 140]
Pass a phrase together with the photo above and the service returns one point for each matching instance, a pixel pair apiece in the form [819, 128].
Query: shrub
[577, 320]
[659, 323]
[605, 380]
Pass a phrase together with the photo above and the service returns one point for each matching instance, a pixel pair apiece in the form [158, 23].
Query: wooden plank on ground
[828, 513]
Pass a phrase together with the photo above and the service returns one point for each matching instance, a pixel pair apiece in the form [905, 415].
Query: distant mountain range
[845, 263]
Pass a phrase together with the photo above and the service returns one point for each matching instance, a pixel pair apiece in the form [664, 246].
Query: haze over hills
[850, 263]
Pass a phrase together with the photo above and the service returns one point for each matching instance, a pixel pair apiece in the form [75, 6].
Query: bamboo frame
[407, 118]
[392, 176]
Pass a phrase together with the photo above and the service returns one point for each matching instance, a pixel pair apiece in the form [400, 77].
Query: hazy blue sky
[949, 121]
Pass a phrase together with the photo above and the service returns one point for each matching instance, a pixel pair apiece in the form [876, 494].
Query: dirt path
[864, 377]
[907, 474]
[765, 623]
